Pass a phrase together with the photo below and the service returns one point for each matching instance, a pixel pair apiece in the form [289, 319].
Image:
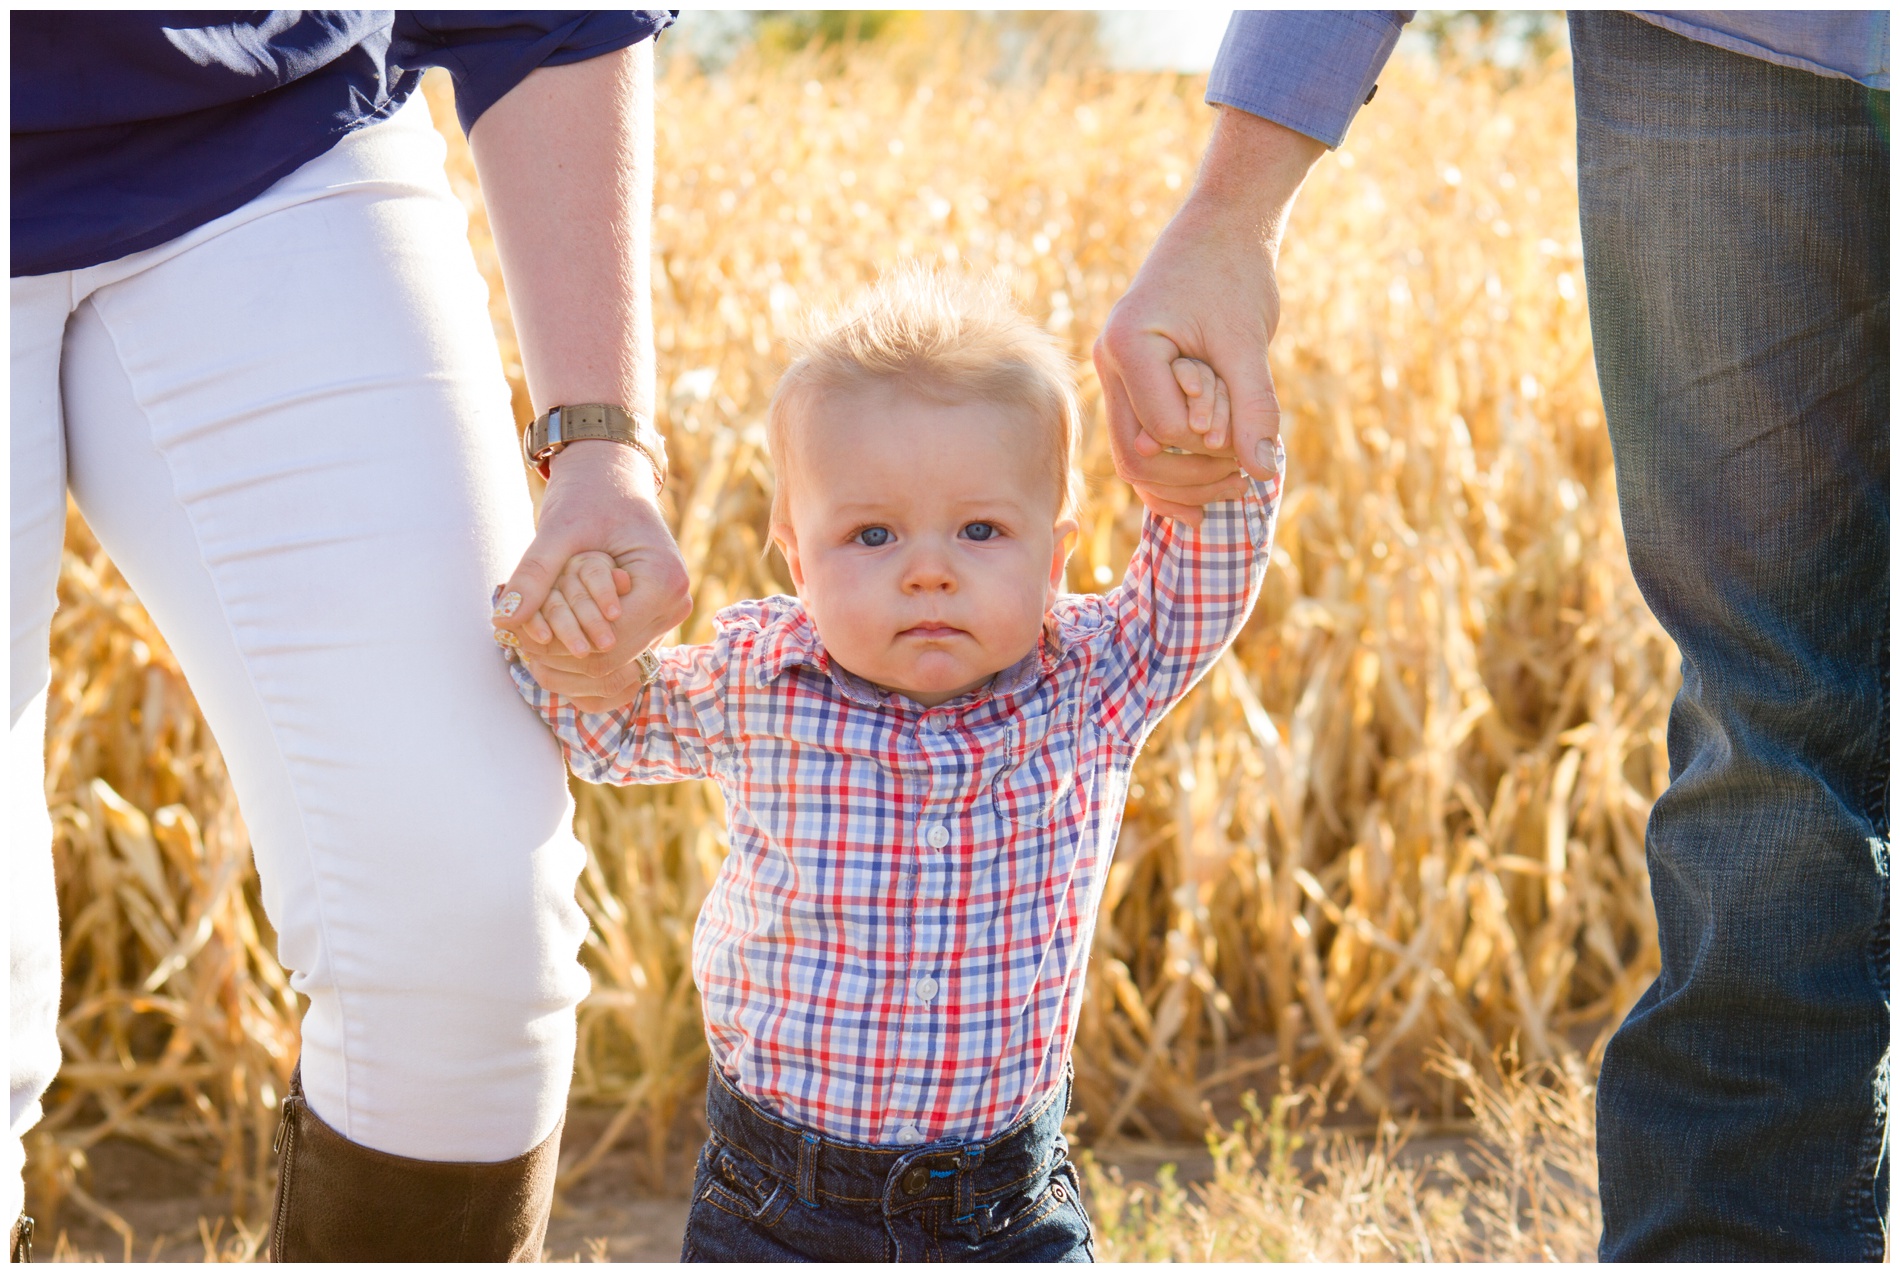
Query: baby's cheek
[846, 621]
[1014, 617]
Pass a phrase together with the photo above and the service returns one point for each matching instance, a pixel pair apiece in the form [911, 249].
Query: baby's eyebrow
[981, 503]
[860, 506]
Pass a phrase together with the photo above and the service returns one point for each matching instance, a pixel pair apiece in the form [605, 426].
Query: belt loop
[967, 1162]
[808, 1168]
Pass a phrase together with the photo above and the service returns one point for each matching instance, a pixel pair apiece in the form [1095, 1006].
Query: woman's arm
[566, 165]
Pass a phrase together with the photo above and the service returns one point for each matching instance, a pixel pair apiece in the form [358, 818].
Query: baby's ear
[785, 539]
[1068, 531]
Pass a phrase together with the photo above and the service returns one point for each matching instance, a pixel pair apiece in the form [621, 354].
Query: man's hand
[599, 500]
[1207, 291]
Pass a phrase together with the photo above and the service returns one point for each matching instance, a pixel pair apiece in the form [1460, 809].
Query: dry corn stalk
[1407, 809]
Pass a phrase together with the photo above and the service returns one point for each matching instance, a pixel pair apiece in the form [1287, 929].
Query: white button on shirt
[936, 835]
[937, 724]
[909, 1135]
[926, 988]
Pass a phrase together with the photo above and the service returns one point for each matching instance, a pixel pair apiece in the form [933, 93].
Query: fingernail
[506, 607]
[1268, 453]
[504, 637]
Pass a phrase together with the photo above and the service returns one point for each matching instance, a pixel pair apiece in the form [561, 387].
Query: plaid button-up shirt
[894, 950]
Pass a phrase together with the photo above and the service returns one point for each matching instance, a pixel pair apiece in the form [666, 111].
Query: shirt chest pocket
[1043, 768]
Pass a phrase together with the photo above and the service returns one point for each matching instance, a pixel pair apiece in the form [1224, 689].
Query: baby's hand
[1208, 411]
[585, 602]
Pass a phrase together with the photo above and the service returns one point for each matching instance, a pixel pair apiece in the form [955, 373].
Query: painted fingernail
[506, 607]
[504, 637]
[1268, 453]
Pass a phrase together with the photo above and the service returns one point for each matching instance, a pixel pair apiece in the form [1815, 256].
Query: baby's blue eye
[873, 536]
[980, 531]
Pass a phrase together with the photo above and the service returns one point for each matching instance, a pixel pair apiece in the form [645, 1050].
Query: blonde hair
[950, 336]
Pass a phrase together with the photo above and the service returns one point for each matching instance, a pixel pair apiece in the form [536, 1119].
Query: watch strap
[553, 430]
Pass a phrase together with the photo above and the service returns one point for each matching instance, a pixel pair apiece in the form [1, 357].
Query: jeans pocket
[740, 1187]
[1045, 1226]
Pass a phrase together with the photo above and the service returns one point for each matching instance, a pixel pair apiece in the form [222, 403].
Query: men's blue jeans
[765, 1190]
[1735, 242]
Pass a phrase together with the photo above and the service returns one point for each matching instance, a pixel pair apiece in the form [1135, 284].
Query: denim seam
[1879, 970]
[715, 1191]
[1000, 1190]
[1868, 1221]
[1872, 1216]
[1075, 1200]
[1882, 777]
[1043, 1206]
[733, 1146]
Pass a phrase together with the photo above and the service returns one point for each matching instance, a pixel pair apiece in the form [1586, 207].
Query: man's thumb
[1256, 411]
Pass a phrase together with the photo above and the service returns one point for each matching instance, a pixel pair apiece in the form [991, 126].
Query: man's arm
[566, 166]
[1287, 85]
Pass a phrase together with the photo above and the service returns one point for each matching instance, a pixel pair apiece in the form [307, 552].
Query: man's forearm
[566, 166]
[1250, 174]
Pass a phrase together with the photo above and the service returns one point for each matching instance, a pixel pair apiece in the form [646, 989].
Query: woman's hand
[566, 166]
[599, 505]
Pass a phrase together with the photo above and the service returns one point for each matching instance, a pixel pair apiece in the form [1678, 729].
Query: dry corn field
[1395, 835]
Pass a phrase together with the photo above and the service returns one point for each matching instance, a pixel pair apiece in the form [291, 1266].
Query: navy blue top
[132, 127]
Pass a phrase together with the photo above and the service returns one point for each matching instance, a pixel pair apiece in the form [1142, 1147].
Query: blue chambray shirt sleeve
[1310, 70]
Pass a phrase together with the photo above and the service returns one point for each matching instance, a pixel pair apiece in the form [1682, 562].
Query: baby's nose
[929, 573]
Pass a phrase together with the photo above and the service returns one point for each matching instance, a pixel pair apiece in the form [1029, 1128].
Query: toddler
[924, 757]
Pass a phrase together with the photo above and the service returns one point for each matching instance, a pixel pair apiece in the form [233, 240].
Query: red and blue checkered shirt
[894, 951]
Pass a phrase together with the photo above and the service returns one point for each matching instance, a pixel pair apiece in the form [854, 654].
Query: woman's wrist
[631, 471]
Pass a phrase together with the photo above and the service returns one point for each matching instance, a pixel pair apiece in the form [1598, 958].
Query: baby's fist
[585, 602]
[1209, 413]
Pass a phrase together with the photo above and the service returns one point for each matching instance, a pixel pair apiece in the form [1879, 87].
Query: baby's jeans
[290, 429]
[765, 1190]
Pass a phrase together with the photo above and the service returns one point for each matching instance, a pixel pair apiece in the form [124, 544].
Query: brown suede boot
[20, 1245]
[337, 1200]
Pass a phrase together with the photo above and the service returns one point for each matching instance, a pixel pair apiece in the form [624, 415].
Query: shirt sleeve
[1181, 604]
[489, 51]
[670, 733]
[1308, 69]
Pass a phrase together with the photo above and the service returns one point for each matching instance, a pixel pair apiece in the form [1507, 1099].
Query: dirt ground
[617, 1212]
[623, 1210]
[174, 1212]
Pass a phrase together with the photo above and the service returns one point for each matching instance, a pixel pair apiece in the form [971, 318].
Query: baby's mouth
[932, 632]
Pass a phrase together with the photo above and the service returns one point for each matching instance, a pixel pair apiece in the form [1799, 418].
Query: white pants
[290, 430]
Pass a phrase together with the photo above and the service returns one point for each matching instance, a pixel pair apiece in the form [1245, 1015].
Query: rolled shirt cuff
[1310, 70]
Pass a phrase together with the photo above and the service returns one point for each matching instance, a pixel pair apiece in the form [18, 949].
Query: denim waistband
[969, 1176]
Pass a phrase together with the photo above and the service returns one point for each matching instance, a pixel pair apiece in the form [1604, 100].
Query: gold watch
[552, 431]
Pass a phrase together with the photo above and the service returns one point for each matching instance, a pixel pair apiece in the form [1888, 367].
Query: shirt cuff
[1309, 70]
